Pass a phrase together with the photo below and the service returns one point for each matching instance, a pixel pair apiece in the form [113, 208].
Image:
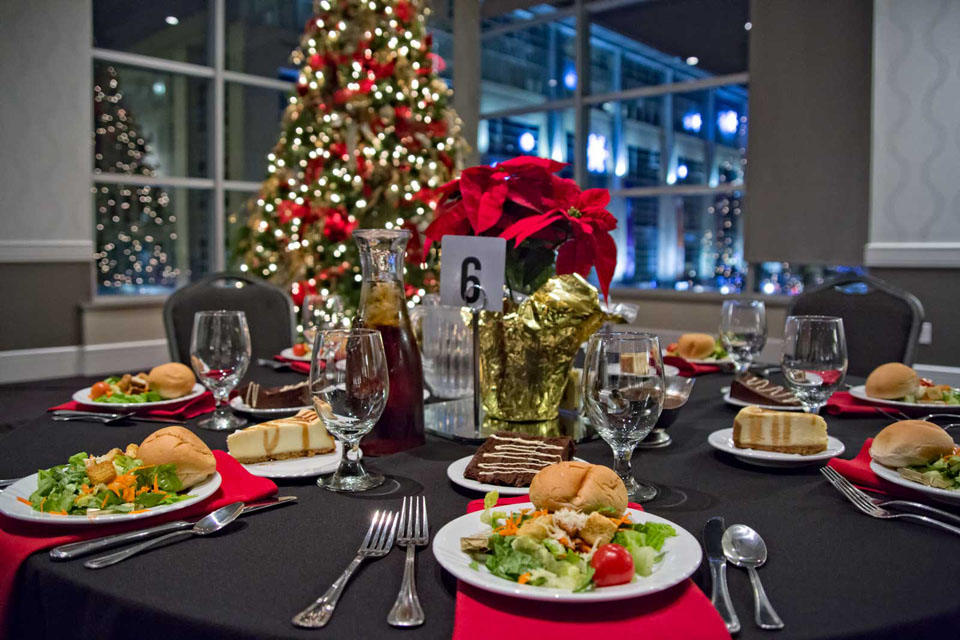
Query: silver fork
[900, 504]
[866, 506]
[414, 532]
[376, 544]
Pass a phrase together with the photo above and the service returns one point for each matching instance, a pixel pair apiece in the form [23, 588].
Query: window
[666, 124]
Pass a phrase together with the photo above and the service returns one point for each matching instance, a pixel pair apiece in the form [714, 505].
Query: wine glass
[220, 355]
[743, 331]
[623, 391]
[814, 358]
[349, 385]
[320, 312]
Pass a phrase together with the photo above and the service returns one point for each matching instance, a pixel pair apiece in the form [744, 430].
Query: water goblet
[814, 358]
[349, 385]
[743, 331]
[623, 393]
[220, 355]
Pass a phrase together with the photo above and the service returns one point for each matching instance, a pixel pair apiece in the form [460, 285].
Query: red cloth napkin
[858, 472]
[679, 612]
[299, 366]
[690, 369]
[19, 539]
[182, 411]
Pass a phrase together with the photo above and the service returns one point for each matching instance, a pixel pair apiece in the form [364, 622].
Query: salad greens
[944, 394]
[562, 560]
[66, 489]
[118, 396]
[942, 473]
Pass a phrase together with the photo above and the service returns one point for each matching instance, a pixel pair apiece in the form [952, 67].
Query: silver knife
[719, 595]
[80, 549]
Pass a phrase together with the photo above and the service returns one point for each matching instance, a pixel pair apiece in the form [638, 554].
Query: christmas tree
[367, 140]
[136, 235]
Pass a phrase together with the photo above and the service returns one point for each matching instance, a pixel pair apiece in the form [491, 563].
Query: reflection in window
[790, 279]
[251, 129]
[172, 29]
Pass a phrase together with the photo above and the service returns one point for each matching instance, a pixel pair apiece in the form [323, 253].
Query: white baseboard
[913, 255]
[46, 251]
[57, 362]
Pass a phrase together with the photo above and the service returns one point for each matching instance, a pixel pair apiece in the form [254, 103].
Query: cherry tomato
[300, 349]
[98, 389]
[612, 564]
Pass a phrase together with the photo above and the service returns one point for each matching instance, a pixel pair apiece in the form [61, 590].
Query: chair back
[268, 308]
[881, 322]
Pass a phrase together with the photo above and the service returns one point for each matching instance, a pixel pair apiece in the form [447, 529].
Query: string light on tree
[366, 140]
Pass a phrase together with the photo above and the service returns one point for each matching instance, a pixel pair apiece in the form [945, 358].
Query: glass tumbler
[446, 345]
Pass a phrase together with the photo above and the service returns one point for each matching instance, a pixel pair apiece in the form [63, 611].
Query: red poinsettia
[553, 225]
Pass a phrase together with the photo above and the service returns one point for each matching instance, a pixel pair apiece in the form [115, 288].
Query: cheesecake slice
[782, 431]
[296, 437]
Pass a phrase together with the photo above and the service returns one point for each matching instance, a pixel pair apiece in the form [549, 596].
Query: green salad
[117, 484]
[565, 549]
[942, 473]
[116, 396]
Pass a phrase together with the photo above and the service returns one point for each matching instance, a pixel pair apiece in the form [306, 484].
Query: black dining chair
[881, 322]
[268, 308]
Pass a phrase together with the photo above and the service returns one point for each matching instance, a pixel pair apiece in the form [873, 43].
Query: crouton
[132, 450]
[101, 472]
[598, 530]
[537, 528]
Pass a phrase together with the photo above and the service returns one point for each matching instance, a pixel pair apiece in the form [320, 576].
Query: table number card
[467, 262]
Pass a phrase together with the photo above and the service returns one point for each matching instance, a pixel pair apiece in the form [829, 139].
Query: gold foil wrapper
[526, 351]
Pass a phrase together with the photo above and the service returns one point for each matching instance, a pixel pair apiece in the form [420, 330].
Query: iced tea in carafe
[383, 307]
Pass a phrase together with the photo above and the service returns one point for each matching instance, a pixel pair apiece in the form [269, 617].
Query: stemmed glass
[743, 331]
[624, 401]
[814, 358]
[220, 355]
[320, 312]
[349, 385]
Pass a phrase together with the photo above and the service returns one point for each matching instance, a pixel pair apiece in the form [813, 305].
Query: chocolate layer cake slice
[512, 459]
[290, 396]
[757, 390]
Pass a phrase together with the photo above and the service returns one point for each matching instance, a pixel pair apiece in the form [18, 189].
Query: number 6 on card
[469, 264]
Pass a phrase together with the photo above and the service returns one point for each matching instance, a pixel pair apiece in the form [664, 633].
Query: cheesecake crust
[804, 450]
[286, 456]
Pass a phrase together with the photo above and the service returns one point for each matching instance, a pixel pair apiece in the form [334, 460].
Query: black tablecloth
[832, 571]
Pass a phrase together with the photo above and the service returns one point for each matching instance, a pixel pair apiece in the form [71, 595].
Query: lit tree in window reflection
[135, 229]
[366, 141]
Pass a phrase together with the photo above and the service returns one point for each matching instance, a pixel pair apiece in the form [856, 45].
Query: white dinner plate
[944, 495]
[83, 397]
[455, 473]
[741, 403]
[681, 558]
[237, 403]
[860, 393]
[10, 506]
[723, 441]
[306, 467]
[290, 355]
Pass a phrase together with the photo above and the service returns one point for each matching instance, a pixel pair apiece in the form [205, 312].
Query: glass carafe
[383, 307]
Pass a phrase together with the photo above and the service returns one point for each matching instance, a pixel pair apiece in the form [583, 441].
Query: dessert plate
[455, 473]
[860, 393]
[682, 556]
[83, 397]
[237, 404]
[740, 403]
[10, 506]
[722, 440]
[891, 475]
[306, 467]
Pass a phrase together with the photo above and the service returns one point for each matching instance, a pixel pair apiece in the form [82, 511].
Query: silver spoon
[208, 524]
[745, 548]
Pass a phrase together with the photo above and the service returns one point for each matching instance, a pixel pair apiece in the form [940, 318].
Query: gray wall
[809, 152]
[46, 235]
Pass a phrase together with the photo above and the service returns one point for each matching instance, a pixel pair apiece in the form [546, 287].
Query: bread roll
[171, 380]
[891, 381]
[580, 486]
[910, 442]
[695, 346]
[179, 446]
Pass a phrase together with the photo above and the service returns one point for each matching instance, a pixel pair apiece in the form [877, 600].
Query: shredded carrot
[140, 510]
[524, 578]
[129, 494]
[25, 501]
[41, 503]
[62, 512]
[104, 503]
[156, 488]
[143, 489]
[565, 541]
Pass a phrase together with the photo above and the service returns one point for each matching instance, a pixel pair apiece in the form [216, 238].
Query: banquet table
[832, 572]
